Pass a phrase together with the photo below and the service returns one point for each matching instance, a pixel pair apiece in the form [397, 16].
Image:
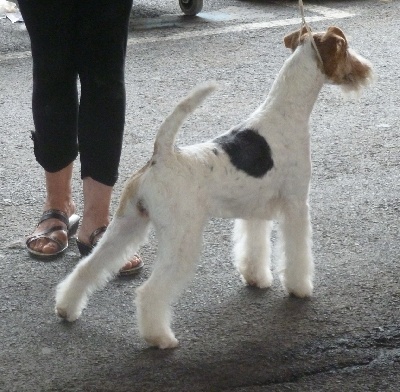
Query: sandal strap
[55, 214]
[60, 244]
[96, 233]
[48, 231]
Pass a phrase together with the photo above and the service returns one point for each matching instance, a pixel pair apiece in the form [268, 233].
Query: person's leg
[54, 108]
[55, 95]
[96, 213]
[101, 62]
[101, 66]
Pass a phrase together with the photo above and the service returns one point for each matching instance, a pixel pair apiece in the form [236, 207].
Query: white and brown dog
[257, 172]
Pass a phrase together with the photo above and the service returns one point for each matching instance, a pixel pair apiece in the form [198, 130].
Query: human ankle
[67, 207]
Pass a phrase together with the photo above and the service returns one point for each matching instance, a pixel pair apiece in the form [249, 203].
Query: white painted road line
[325, 14]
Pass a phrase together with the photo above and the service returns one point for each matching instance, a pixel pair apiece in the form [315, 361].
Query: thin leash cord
[305, 24]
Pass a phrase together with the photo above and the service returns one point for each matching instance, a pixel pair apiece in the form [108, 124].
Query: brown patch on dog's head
[341, 65]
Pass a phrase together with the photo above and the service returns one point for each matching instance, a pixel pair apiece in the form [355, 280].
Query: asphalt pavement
[232, 338]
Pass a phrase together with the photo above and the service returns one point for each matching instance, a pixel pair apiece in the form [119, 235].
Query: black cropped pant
[85, 39]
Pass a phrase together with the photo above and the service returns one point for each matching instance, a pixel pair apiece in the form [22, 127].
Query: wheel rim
[191, 7]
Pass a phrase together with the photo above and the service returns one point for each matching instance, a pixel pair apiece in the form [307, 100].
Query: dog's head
[341, 65]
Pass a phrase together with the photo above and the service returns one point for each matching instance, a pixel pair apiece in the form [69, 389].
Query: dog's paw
[162, 341]
[67, 314]
[69, 306]
[261, 279]
[299, 289]
[71, 299]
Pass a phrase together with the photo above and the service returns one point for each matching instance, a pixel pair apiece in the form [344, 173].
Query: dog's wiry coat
[257, 172]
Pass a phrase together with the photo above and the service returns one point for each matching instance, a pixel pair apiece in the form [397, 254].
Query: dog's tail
[165, 138]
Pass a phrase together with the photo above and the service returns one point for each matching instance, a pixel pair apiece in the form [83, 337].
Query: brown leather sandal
[86, 249]
[70, 227]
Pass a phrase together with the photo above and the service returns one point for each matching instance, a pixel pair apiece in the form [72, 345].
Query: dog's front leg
[178, 250]
[252, 251]
[298, 266]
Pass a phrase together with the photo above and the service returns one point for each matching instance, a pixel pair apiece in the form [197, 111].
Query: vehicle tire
[191, 7]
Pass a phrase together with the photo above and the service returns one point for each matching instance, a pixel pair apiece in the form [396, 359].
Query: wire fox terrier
[256, 172]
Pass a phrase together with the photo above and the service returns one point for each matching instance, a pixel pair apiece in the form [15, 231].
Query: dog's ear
[333, 40]
[335, 31]
[332, 43]
[332, 46]
[292, 40]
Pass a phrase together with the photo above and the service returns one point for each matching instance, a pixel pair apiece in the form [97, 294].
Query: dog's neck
[296, 88]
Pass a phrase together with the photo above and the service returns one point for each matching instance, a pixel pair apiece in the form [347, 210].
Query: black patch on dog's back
[248, 151]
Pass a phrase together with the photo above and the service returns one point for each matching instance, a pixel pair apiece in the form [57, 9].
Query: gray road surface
[232, 338]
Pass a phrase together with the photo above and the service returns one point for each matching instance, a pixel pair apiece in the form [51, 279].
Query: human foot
[51, 235]
[132, 266]
[58, 221]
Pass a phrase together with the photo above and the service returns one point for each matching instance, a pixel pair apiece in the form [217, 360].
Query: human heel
[73, 224]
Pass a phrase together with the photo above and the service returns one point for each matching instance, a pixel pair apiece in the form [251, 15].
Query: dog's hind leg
[178, 251]
[298, 266]
[252, 251]
[122, 238]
